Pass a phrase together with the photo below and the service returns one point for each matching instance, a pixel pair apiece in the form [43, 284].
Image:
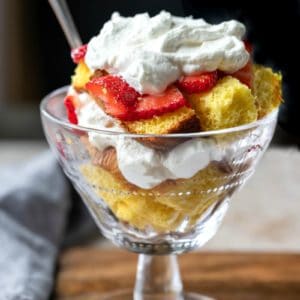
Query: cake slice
[229, 103]
[181, 120]
[267, 90]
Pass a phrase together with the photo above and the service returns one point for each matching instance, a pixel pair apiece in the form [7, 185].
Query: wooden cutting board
[86, 273]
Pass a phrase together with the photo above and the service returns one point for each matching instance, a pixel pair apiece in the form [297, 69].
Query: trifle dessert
[156, 78]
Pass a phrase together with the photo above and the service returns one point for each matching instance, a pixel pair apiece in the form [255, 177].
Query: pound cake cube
[164, 207]
[81, 77]
[183, 119]
[267, 90]
[229, 103]
[180, 120]
[135, 206]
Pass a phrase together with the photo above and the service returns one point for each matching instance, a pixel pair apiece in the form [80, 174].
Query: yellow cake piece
[82, 76]
[135, 206]
[164, 207]
[229, 103]
[182, 119]
[267, 90]
[190, 196]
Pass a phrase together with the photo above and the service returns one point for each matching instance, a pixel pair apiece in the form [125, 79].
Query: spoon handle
[65, 19]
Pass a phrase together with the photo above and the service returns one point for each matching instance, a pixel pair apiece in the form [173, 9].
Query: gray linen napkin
[34, 202]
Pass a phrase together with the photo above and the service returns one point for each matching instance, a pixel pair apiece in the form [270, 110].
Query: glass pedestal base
[128, 295]
[158, 278]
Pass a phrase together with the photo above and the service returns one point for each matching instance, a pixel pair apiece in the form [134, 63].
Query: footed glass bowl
[173, 214]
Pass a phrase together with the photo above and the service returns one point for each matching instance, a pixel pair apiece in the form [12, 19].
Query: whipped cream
[140, 165]
[92, 116]
[150, 53]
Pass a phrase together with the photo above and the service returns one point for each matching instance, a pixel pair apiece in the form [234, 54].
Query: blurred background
[34, 55]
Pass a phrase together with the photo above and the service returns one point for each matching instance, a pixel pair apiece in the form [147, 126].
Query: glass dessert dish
[170, 216]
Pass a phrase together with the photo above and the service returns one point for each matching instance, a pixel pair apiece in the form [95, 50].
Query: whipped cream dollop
[152, 52]
[140, 165]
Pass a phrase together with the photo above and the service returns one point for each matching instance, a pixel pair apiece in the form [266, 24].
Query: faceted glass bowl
[173, 217]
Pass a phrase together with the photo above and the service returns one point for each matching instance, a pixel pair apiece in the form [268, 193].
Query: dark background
[35, 55]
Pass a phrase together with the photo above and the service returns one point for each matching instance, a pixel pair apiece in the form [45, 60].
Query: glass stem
[158, 277]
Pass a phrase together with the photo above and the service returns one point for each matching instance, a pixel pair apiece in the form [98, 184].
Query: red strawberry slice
[78, 54]
[71, 110]
[123, 102]
[156, 105]
[117, 96]
[198, 83]
[111, 86]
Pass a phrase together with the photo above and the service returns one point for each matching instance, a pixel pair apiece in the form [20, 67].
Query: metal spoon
[66, 22]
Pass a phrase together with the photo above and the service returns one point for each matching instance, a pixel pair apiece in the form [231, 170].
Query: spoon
[66, 22]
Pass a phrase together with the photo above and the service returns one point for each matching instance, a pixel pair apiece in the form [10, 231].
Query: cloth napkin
[34, 204]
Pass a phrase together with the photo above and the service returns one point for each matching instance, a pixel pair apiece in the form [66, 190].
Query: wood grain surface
[86, 273]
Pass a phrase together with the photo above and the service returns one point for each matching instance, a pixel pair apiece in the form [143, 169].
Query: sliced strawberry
[245, 74]
[155, 105]
[117, 96]
[198, 83]
[71, 110]
[110, 86]
[116, 109]
[78, 54]
[123, 102]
